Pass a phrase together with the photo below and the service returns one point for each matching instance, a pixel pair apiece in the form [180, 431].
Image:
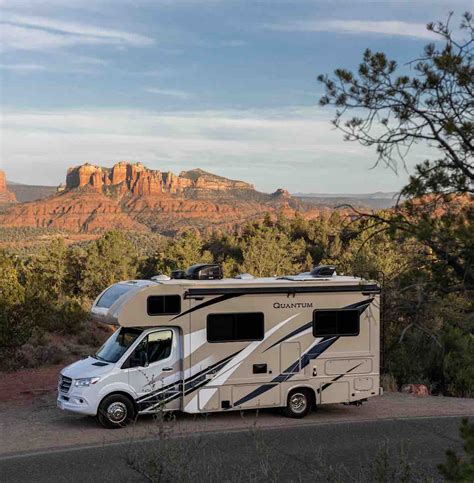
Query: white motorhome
[199, 343]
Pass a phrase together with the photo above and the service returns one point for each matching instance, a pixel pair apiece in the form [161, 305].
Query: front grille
[64, 383]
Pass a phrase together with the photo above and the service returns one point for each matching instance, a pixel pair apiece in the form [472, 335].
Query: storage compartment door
[335, 392]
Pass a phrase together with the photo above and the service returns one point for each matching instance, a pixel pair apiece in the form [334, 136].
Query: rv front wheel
[298, 404]
[115, 411]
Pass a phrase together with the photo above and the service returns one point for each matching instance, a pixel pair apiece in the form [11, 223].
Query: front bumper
[76, 403]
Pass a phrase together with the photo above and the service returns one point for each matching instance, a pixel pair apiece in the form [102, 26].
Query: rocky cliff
[138, 180]
[133, 197]
[5, 195]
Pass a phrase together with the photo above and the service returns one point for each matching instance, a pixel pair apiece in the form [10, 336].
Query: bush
[456, 468]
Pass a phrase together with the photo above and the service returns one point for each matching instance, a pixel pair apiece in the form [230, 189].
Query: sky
[228, 86]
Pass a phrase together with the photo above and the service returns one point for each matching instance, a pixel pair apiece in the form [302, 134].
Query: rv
[199, 343]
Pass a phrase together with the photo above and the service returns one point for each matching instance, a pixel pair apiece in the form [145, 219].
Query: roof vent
[244, 276]
[204, 271]
[160, 277]
[323, 271]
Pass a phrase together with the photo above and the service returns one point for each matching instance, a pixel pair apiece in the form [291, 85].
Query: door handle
[167, 369]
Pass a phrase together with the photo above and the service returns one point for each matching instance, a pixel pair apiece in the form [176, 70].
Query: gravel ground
[35, 424]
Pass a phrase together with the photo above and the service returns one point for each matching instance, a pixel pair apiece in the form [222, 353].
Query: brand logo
[293, 305]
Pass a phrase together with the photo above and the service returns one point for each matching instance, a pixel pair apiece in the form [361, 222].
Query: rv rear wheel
[299, 404]
[115, 411]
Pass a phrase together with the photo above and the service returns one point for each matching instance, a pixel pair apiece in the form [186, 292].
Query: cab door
[155, 371]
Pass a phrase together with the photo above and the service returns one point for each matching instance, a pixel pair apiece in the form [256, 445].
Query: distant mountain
[132, 197]
[378, 200]
[376, 195]
[28, 192]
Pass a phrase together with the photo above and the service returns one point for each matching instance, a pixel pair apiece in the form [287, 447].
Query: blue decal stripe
[361, 306]
[317, 350]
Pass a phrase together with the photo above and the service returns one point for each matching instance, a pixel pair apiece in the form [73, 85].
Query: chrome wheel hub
[298, 402]
[117, 412]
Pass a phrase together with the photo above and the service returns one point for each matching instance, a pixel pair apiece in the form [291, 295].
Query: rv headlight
[87, 381]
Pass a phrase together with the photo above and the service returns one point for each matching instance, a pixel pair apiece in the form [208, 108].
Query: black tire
[115, 411]
[299, 404]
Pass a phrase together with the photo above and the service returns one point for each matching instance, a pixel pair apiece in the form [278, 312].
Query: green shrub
[456, 468]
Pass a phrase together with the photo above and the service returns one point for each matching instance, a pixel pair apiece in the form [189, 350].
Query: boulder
[416, 389]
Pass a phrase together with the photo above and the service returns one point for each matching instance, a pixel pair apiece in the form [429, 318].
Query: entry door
[157, 373]
[290, 360]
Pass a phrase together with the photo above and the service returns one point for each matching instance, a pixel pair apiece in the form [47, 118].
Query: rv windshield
[117, 344]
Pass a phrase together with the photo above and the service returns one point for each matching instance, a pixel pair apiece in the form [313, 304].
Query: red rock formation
[85, 212]
[140, 180]
[281, 193]
[132, 197]
[5, 195]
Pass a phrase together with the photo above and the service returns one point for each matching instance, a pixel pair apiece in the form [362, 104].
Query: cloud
[24, 32]
[358, 27]
[97, 4]
[23, 67]
[169, 92]
[70, 65]
[294, 148]
[87, 60]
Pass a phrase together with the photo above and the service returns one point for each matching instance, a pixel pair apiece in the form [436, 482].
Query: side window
[235, 327]
[164, 304]
[328, 323]
[159, 345]
[153, 348]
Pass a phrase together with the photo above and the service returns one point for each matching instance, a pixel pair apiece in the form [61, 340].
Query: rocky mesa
[138, 180]
[5, 195]
[130, 196]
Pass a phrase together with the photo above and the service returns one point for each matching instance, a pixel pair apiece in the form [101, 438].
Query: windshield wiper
[95, 356]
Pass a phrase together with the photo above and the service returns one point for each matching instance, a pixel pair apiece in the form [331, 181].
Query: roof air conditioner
[204, 271]
[178, 274]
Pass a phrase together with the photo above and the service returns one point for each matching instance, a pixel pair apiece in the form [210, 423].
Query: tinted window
[153, 348]
[335, 323]
[112, 294]
[117, 344]
[159, 345]
[235, 327]
[220, 327]
[164, 304]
